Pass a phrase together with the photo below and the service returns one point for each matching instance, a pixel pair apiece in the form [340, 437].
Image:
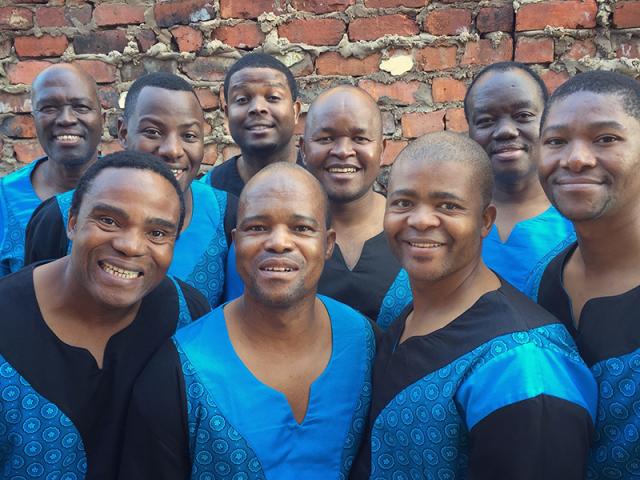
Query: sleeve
[233, 284]
[155, 434]
[196, 302]
[46, 234]
[541, 437]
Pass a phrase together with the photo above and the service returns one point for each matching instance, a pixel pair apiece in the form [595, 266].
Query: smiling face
[123, 235]
[589, 156]
[504, 117]
[170, 125]
[281, 240]
[342, 143]
[67, 115]
[435, 221]
[260, 110]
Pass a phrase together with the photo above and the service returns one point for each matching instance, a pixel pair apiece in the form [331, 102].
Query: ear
[297, 108]
[122, 132]
[223, 101]
[488, 218]
[331, 243]
[71, 226]
[384, 147]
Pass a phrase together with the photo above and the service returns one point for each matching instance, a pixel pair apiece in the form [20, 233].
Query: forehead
[590, 107]
[169, 105]
[258, 78]
[424, 176]
[343, 109]
[503, 89]
[63, 82]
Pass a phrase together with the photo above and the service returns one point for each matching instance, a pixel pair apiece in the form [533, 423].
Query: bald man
[474, 380]
[275, 384]
[68, 122]
[342, 147]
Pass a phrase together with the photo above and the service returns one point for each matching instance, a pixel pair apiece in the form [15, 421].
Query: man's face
[282, 241]
[260, 110]
[434, 219]
[589, 156]
[67, 117]
[168, 124]
[504, 117]
[343, 144]
[123, 235]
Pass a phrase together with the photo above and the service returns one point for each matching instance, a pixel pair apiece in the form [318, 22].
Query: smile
[68, 138]
[425, 244]
[277, 269]
[259, 128]
[342, 169]
[177, 172]
[119, 272]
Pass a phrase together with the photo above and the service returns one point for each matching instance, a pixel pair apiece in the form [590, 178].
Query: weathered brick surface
[415, 57]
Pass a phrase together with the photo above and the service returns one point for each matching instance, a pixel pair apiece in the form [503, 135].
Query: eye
[82, 109]
[256, 228]
[190, 136]
[361, 140]
[157, 235]
[107, 221]
[554, 142]
[450, 206]
[401, 203]
[48, 109]
[324, 140]
[274, 98]
[151, 132]
[303, 229]
[240, 100]
[484, 122]
[604, 139]
[524, 116]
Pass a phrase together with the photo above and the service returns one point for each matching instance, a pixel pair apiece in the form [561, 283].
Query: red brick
[332, 63]
[402, 93]
[626, 15]
[557, 13]
[26, 71]
[15, 18]
[581, 48]
[534, 50]
[18, 126]
[78, 16]
[51, 17]
[15, 102]
[111, 14]
[554, 79]
[304, 67]
[44, 46]
[208, 99]
[417, 124]
[172, 13]
[246, 9]
[102, 41]
[100, 71]
[208, 68]
[27, 152]
[391, 151]
[108, 97]
[447, 21]
[242, 35]
[112, 146]
[484, 53]
[395, 3]
[431, 59]
[447, 90]
[454, 120]
[322, 6]
[495, 19]
[146, 39]
[315, 31]
[188, 39]
[629, 48]
[378, 26]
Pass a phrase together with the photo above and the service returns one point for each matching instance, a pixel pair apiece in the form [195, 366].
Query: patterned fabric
[184, 316]
[533, 282]
[423, 433]
[64, 203]
[395, 301]
[37, 440]
[615, 452]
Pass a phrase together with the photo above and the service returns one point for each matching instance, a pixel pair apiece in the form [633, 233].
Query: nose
[580, 157]
[505, 129]
[258, 105]
[129, 242]
[171, 147]
[66, 115]
[342, 147]
[279, 240]
[423, 218]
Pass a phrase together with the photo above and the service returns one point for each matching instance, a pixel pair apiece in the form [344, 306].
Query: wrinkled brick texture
[415, 57]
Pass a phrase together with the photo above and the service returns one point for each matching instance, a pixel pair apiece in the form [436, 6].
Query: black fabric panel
[46, 234]
[364, 287]
[540, 438]
[226, 177]
[230, 216]
[608, 326]
[155, 440]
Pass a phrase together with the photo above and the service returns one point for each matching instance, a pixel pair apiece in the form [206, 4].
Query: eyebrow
[105, 208]
[516, 106]
[607, 124]
[151, 118]
[265, 218]
[305, 218]
[442, 195]
[269, 84]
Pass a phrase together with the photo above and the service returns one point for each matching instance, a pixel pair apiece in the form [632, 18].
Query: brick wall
[415, 56]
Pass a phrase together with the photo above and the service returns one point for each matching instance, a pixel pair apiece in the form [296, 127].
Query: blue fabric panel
[395, 301]
[234, 286]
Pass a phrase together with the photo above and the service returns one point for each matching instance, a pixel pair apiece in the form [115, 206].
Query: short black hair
[603, 83]
[453, 147]
[164, 80]
[505, 67]
[126, 159]
[261, 60]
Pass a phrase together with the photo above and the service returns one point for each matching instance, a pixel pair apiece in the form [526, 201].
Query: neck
[251, 163]
[57, 178]
[368, 209]
[524, 191]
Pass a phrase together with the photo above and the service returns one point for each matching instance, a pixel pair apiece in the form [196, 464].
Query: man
[342, 147]
[262, 108]
[474, 380]
[161, 116]
[590, 154]
[503, 107]
[76, 332]
[275, 384]
[68, 122]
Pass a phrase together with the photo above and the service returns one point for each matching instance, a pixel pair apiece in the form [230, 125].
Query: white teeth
[278, 269]
[68, 138]
[259, 127]
[119, 272]
[425, 245]
[176, 172]
[343, 170]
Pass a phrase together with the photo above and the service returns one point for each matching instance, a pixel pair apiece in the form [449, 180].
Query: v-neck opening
[338, 251]
[517, 224]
